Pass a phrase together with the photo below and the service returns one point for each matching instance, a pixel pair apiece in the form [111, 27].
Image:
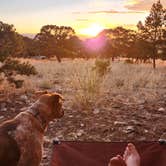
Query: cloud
[141, 5]
[109, 12]
[82, 19]
[114, 12]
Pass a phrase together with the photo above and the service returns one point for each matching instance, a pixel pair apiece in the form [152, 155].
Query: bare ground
[128, 104]
[116, 118]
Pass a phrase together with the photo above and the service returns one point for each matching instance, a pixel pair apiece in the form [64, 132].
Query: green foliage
[52, 39]
[12, 67]
[31, 47]
[45, 84]
[153, 31]
[3, 55]
[101, 66]
[60, 41]
[119, 42]
[24, 68]
[17, 83]
[11, 43]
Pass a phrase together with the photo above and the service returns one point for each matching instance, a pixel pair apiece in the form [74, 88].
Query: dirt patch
[114, 119]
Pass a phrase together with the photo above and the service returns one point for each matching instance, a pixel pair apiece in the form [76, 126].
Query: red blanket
[99, 153]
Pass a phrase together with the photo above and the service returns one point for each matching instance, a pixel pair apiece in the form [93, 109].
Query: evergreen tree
[153, 29]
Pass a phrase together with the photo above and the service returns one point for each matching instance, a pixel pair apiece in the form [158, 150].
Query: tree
[142, 50]
[119, 42]
[31, 47]
[75, 47]
[153, 29]
[52, 39]
[11, 45]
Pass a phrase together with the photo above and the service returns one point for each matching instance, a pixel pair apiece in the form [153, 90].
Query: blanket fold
[99, 153]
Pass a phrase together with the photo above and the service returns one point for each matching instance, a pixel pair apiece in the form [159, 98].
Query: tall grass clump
[87, 86]
[87, 82]
[101, 67]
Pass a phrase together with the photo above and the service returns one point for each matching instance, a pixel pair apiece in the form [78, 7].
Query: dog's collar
[35, 112]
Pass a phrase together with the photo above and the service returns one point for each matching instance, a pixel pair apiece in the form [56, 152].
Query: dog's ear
[58, 98]
[56, 104]
[39, 93]
[56, 101]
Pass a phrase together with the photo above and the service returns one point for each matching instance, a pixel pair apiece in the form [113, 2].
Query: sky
[87, 17]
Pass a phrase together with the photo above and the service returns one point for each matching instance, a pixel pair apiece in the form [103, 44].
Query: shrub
[17, 83]
[11, 67]
[21, 68]
[101, 66]
[128, 61]
[45, 85]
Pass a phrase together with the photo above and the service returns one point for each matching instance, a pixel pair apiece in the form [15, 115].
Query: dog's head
[50, 105]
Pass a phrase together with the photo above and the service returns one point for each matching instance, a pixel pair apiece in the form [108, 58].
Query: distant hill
[30, 35]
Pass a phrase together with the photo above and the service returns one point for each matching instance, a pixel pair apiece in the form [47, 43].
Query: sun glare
[92, 30]
[131, 2]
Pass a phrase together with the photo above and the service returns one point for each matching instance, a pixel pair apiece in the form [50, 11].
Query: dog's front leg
[30, 158]
[24, 161]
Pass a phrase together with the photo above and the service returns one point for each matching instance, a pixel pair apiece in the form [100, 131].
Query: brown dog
[21, 138]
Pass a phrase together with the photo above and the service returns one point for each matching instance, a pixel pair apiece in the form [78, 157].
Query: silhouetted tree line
[12, 45]
[147, 43]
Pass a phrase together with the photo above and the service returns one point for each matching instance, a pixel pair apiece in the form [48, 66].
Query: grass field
[76, 80]
[121, 105]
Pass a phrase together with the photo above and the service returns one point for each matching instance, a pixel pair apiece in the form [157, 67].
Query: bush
[24, 68]
[101, 66]
[11, 67]
[45, 84]
[128, 61]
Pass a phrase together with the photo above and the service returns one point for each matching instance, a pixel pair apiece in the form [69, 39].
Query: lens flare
[92, 30]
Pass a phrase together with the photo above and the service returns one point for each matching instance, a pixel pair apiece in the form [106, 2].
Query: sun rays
[92, 30]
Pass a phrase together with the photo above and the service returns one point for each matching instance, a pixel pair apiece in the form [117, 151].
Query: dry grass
[86, 83]
[134, 77]
[76, 79]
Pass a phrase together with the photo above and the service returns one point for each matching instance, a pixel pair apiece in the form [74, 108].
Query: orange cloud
[141, 5]
[82, 19]
[109, 12]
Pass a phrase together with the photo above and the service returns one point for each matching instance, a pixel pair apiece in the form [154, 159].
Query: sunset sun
[92, 30]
